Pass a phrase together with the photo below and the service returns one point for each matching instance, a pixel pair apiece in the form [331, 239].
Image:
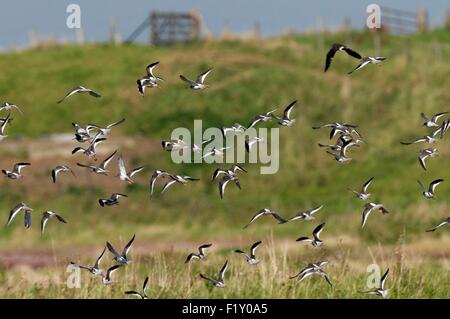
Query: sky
[47, 17]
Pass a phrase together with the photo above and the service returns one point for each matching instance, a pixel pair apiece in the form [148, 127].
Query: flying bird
[286, 120]
[142, 295]
[113, 200]
[249, 142]
[314, 269]
[368, 60]
[429, 192]
[266, 212]
[201, 253]
[60, 168]
[236, 128]
[80, 89]
[363, 194]
[251, 259]
[219, 282]
[424, 154]
[15, 173]
[380, 291]
[432, 122]
[2, 127]
[94, 270]
[181, 179]
[264, 117]
[47, 215]
[339, 47]
[155, 176]
[27, 214]
[101, 169]
[123, 257]
[104, 131]
[9, 107]
[368, 208]
[315, 241]
[305, 215]
[90, 150]
[198, 84]
[107, 278]
[123, 174]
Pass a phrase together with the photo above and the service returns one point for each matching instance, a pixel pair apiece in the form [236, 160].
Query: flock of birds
[345, 134]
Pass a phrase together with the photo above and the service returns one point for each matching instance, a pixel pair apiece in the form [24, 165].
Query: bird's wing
[367, 210]
[202, 248]
[434, 184]
[438, 115]
[366, 185]
[110, 271]
[255, 217]
[280, 219]
[19, 166]
[99, 259]
[115, 123]
[312, 211]
[223, 183]
[330, 56]
[352, 53]
[150, 68]
[202, 76]
[318, 230]
[75, 90]
[187, 80]
[208, 278]
[127, 247]
[112, 250]
[223, 270]
[422, 161]
[135, 171]
[107, 160]
[121, 164]
[93, 93]
[253, 248]
[167, 185]
[144, 285]
[359, 66]
[288, 110]
[44, 221]
[14, 212]
[27, 219]
[383, 279]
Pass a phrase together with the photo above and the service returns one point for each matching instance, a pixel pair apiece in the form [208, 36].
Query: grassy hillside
[248, 78]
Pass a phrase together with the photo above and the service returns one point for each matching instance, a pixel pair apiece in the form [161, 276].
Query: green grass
[248, 78]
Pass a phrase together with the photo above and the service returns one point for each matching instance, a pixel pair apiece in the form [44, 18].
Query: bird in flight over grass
[286, 120]
[123, 257]
[236, 128]
[47, 215]
[123, 174]
[363, 195]
[444, 222]
[15, 173]
[103, 131]
[429, 192]
[9, 107]
[266, 212]
[430, 139]
[306, 214]
[424, 154]
[381, 291]
[432, 122]
[27, 214]
[80, 89]
[94, 270]
[251, 259]
[155, 176]
[368, 208]
[113, 200]
[150, 80]
[201, 253]
[264, 117]
[339, 47]
[313, 269]
[182, 179]
[107, 280]
[219, 282]
[315, 241]
[101, 169]
[90, 150]
[368, 60]
[199, 83]
[142, 295]
[249, 142]
[61, 168]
